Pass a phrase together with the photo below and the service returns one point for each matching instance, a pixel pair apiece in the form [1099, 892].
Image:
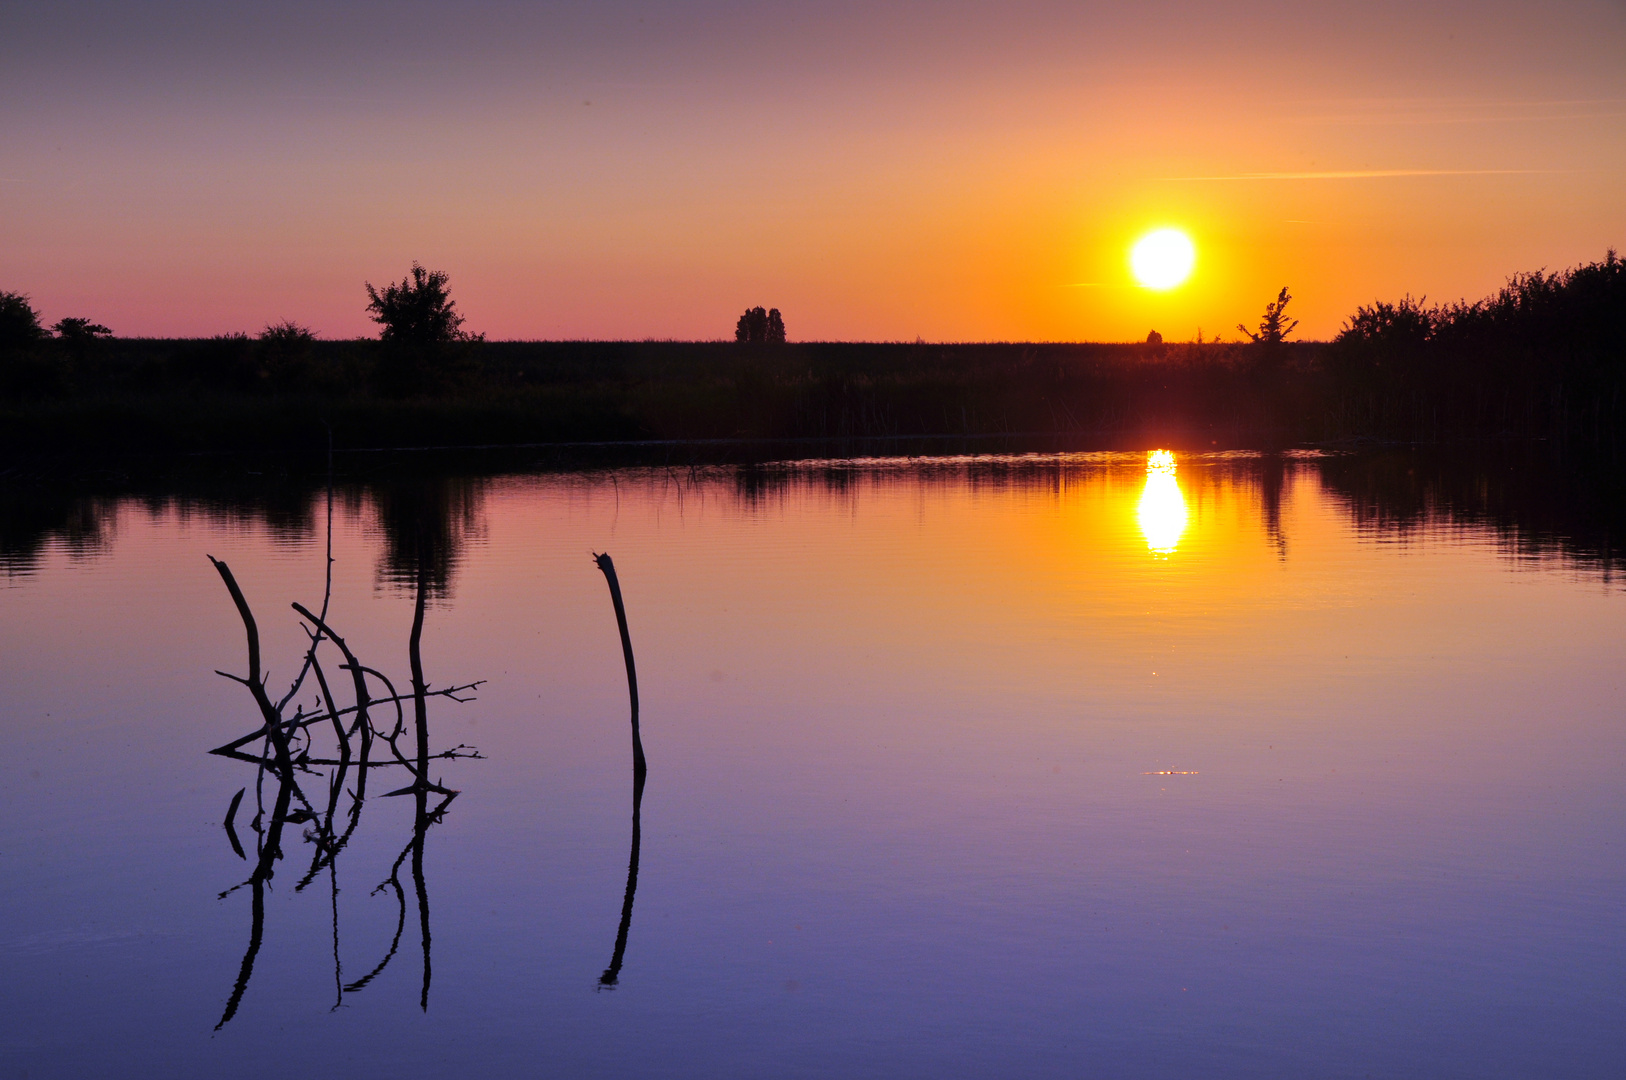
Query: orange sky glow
[953, 171]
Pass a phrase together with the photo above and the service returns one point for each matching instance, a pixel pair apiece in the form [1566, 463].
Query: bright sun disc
[1162, 259]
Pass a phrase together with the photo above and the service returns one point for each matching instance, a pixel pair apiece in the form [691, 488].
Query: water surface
[1064, 766]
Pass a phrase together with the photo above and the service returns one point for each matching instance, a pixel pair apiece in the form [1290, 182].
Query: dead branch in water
[606, 564]
[639, 770]
[290, 746]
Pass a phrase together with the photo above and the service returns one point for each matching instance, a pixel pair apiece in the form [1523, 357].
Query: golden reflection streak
[1162, 509]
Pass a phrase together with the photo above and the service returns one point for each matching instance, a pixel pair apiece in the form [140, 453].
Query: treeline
[1544, 357]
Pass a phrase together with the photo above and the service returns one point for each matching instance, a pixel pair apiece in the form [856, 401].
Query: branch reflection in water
[1536, 503]
[340, 739]
[345, 739]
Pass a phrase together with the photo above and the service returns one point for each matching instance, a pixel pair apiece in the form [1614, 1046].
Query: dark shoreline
[119, 397]
[1545, 357]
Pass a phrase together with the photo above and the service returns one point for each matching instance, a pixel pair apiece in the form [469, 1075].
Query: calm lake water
[1093, 765]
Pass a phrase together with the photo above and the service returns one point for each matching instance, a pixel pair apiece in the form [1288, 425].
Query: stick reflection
[613, 973]
[324, 740]
[322, 734]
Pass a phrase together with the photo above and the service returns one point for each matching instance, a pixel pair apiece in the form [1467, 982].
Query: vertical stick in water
[420, 787]
[613, 972]
[608, 566]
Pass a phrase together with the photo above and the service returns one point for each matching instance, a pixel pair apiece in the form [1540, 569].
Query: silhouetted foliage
[1383, 335]
[286, 361]
[1404, 325]
[1545, 355]
[80, 330]
[19, 322]
[1154, 338]
[418, 311]
[420, 322]
[759, 326]
[28, 370]
[1274, 327]
[287, 332]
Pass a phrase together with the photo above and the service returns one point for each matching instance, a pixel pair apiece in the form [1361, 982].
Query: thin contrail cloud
[1368, 174]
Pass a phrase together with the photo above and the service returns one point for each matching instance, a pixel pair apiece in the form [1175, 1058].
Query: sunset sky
[877, 170]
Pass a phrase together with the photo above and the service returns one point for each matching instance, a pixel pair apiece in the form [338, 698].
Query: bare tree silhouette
[1274, 327]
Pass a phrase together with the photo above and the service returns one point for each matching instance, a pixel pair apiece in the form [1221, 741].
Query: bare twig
[607, 565]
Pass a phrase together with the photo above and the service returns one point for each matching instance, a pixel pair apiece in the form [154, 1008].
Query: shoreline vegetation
[1544, 358]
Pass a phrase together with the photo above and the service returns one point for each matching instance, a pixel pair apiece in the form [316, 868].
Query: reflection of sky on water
[947, 777]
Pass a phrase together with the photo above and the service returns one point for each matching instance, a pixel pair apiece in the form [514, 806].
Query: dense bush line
[1544, 356]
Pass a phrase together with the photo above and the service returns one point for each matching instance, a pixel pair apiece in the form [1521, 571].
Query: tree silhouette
[19, 323]
[1271, 328]
[418, 311]
[80, 330]
[759, 326]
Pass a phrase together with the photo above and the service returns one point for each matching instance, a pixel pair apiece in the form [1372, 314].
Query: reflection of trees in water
[81, 516]
[32, 519]
[1273, 481]
[426, 524]
[1540, 502]
[424, 519]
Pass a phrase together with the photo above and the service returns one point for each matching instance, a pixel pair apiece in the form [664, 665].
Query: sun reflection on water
[1162, 510]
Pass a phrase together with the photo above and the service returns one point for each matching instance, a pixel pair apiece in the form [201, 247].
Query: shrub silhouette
[418, 311]
[1403, 325]
[1272, 330]
[760, 327]
[285, 360]
[288, 334]
[80, 330]
[19, 322]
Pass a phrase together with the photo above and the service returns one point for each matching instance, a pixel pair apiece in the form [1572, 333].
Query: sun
[1162, 259]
